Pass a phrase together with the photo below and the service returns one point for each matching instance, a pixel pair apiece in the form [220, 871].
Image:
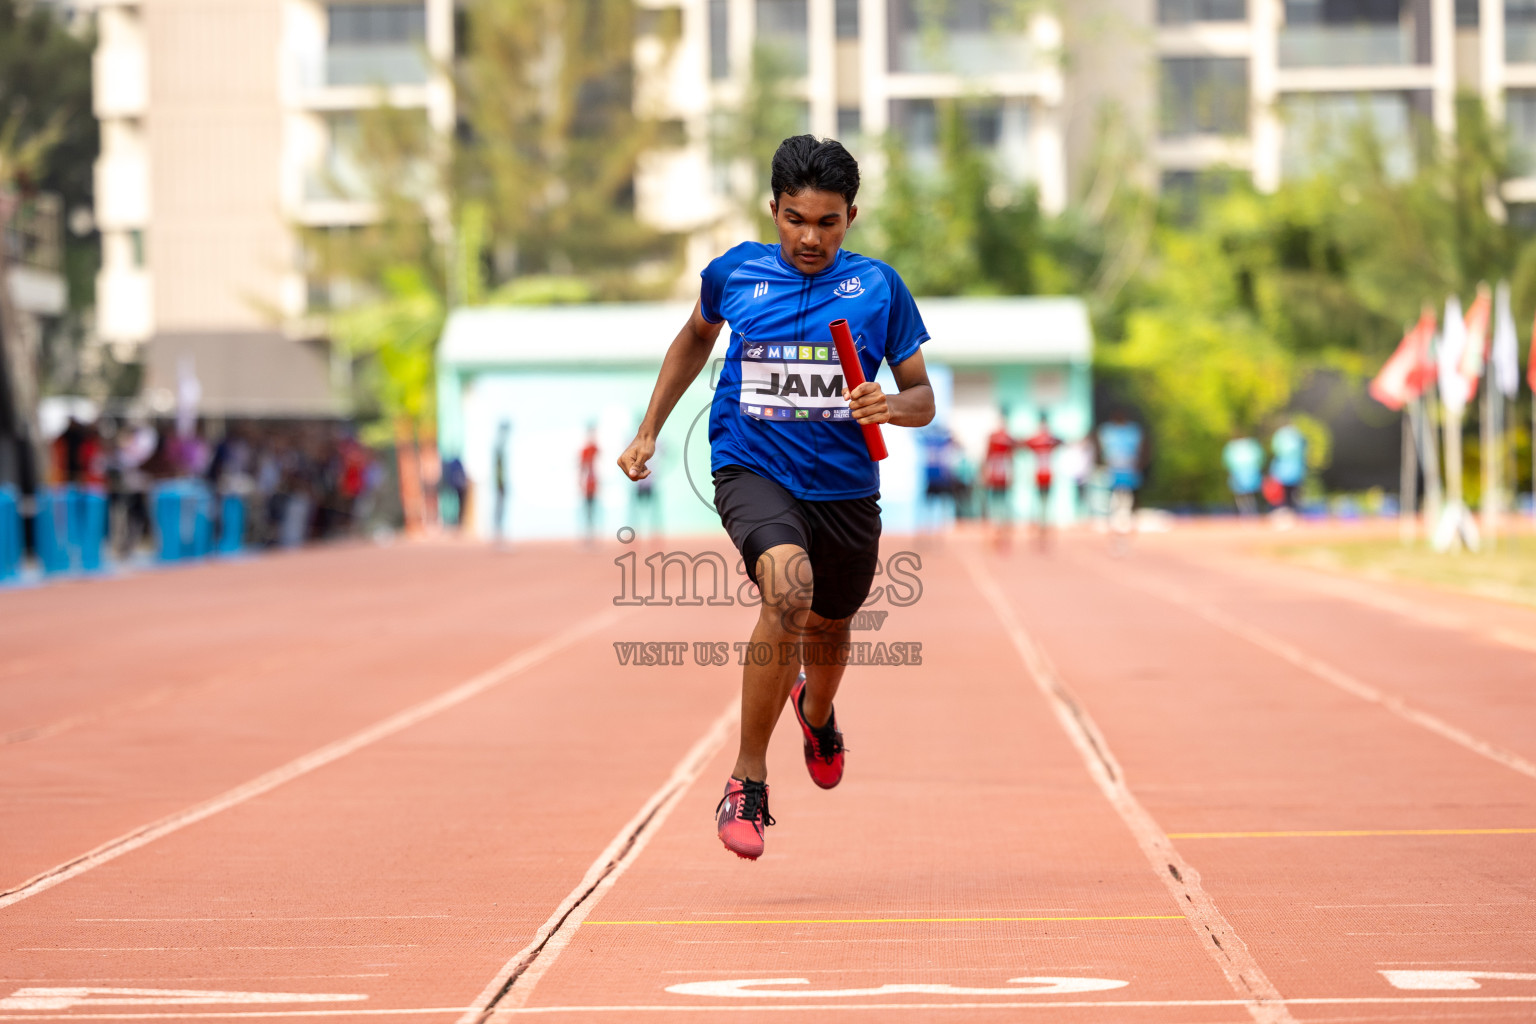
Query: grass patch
[1508, 574]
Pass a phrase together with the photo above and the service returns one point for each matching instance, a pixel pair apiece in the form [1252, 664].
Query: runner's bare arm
[911, 407]
[685, 358]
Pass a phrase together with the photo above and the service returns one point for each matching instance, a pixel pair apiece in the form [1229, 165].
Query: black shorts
[841, 538]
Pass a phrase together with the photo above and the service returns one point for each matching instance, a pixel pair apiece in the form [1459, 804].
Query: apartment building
[857, 69]
[1268, 86]
[226, 124]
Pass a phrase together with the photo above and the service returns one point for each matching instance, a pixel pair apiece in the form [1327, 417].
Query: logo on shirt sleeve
[849, 289]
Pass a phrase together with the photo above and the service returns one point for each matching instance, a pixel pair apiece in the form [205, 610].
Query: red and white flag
[1410, 369]
[1475, 355]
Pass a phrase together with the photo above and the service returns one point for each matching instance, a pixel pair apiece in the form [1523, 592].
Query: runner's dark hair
[806, 162]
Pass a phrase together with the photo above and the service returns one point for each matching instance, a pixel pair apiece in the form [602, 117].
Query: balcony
[353, 66]
[964, 53]
[1347, 46]
[124, 305]
[120, 81]
[122, 190]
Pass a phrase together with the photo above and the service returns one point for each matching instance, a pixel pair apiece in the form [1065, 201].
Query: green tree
[961, 228]
[553, 141]
[48, 142]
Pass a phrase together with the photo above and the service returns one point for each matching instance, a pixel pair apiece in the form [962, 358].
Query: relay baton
[853, 374]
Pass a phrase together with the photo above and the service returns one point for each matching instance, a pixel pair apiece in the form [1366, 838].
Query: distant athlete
[794, 484]
[997, 476]
[1042, 443]
[1120, 449]
[588, 480]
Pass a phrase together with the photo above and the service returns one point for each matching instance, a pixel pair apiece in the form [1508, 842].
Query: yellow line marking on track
[911, 920]
[1357, 832]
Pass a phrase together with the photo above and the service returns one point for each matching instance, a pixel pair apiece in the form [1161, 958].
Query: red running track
[416, 783]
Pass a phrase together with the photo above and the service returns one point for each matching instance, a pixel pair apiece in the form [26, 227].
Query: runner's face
[811, 227]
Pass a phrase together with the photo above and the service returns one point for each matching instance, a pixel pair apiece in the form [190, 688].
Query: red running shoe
[741, 815]
[823, 746]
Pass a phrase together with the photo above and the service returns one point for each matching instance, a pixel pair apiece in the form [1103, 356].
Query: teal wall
[548, 410]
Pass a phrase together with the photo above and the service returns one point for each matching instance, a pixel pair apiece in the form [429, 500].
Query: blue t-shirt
[778, 408]
[1289, 466]
[1120, 447]
[1244, 459]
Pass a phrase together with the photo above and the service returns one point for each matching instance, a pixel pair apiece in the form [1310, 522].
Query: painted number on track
[752, 988]
[65, 998]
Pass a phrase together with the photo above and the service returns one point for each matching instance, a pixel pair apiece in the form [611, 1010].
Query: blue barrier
[231, 524]
[70, 529]
[182, 511]
[10, 535]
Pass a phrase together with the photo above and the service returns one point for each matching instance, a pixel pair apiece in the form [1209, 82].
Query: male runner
[794, 483]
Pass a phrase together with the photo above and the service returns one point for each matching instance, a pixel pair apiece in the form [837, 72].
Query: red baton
[853, 374]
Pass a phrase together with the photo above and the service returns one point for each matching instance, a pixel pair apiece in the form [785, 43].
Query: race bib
[792, 383]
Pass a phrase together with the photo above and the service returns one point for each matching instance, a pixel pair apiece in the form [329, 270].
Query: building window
[1520, 31]
[719, 39]
[1182, 12]
[1204, 96]
[783, 26]
[136, 255]
[376, 44]
[376, 24]
[1467, 13]
[850, 122]
[1520, 122]
[1322, 127]
[847, 16]
[999, 127]
[968, 37]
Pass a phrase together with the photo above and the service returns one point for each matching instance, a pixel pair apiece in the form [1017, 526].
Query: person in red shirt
[1042, 442]
[589, 481]
[997, 475]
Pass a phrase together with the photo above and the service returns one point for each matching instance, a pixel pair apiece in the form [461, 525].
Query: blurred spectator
[1123, 453]
[997, 470]
[1042, 443]
[939, 454]
[456, 481]
[1289, 465]
[1243, 457]
[500, 456]
[589, 481]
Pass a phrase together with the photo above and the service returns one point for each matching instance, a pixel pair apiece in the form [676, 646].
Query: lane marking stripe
[1226, 947]
[325, 755]
[1322, 670]
[515, 982]
[779, 1007]
[1357, 832]
[911, 920]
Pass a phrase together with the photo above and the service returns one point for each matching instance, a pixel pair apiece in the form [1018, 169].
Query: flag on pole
[1453, 344]
[1475, 355]
[1505, 353]
[1530, 369]
[1409, 370]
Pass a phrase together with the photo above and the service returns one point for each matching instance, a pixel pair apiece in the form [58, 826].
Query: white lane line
[1216, 934]
[1322, 670]
[823, 1008]
[172, 949]
[254, 918]
[301, 766]
[515, 982]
